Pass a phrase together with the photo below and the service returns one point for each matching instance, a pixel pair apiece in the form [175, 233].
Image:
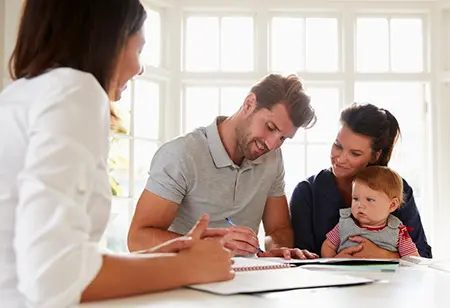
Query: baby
[377, 192]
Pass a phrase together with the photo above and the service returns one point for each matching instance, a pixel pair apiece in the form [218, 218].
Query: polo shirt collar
[218, 153]
[216, 148]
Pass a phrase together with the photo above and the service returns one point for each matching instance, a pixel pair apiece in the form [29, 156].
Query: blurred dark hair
[274, 89]
[378, 124]
[86, 35]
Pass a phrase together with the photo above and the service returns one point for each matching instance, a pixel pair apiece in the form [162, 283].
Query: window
[309, 151]
[219, 44]
[385, 44]
[408, 157]
[131, 152]
[224, 50]
[151, 54]
[203, 104]
[299, 44]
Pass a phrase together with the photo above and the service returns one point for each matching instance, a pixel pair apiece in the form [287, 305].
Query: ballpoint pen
[232, 224]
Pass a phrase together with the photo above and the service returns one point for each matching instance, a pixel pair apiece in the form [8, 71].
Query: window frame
[174, 78]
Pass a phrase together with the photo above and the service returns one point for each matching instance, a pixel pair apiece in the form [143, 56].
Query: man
[231, 169]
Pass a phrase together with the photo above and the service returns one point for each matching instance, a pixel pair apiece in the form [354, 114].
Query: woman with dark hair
[366, 138]
[70, 60]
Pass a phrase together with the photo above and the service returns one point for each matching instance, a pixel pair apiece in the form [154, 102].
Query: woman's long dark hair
[378, 124]
[87, 35]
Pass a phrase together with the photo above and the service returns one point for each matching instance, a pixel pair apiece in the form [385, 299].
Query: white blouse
[54, 188]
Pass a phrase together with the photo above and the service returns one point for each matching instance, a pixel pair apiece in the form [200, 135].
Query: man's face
[263, 130]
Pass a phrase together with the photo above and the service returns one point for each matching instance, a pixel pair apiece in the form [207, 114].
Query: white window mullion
[261, 42]
[304, 45]
[389, 44]
[437, 187]
[348, 56]
[219, 42]
[219, 107]
[131, 152]
[175, 32]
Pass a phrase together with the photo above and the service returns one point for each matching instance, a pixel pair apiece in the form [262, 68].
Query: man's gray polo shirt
[196, 172]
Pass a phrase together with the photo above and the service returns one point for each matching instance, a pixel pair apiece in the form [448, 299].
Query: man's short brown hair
[288, 90]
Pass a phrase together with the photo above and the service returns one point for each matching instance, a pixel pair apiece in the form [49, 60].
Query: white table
[409, 286]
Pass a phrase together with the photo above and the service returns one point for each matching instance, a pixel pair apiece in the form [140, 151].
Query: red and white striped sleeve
[333, 236]
[405, 244]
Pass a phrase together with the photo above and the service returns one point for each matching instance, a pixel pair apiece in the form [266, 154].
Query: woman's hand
[371, 250]
[199, 259]
[207, 260]
[349, 252]
[173, 246]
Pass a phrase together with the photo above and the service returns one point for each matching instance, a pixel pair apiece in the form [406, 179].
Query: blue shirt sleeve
[410, 217]
[300, 207]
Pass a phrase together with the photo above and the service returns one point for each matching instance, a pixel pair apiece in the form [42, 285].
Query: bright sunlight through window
[341, 58]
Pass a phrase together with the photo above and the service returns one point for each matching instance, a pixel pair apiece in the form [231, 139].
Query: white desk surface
[409, 286]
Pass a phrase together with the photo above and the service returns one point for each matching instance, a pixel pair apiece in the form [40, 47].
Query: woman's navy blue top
[315, 205]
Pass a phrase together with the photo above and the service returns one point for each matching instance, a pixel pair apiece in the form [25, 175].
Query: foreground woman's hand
[206, 260]
[200, 259]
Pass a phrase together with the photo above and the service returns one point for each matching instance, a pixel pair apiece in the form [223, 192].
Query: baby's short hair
[382, 179]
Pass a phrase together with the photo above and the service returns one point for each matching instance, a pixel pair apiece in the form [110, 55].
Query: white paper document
[278, 280]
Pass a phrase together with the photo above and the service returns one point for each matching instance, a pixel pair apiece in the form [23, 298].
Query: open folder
[257, 275]
[342, 264]
[334, 261]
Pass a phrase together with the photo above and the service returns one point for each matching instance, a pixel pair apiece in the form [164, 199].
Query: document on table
[278, 280]
[335, 261]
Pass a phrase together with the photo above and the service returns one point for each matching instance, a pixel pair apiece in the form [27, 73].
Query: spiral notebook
[243, 264]
[254, 275]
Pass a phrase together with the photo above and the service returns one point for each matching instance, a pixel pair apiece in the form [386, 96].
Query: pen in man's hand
[232, 224]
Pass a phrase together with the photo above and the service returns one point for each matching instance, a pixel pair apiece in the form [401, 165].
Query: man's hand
[288, 253]
[241, 240]
[371, 250]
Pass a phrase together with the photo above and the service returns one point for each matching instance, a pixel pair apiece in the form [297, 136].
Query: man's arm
[277, 224]
[158, 205]
[279, 236]
[151, 220]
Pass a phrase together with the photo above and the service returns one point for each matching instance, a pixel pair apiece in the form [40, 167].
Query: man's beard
[243, 133]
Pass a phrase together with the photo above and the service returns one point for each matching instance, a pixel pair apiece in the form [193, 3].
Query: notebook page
[277, 280]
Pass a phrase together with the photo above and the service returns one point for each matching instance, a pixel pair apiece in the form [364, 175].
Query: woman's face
[350, 153]
[129, 63]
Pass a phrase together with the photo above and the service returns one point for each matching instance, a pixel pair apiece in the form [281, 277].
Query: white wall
[9, 19]
[2, 40]
[440, 126]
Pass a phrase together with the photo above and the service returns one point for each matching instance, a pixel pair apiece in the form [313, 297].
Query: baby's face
[370, 207]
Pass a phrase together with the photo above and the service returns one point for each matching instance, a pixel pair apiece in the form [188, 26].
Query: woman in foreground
[70, 60]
